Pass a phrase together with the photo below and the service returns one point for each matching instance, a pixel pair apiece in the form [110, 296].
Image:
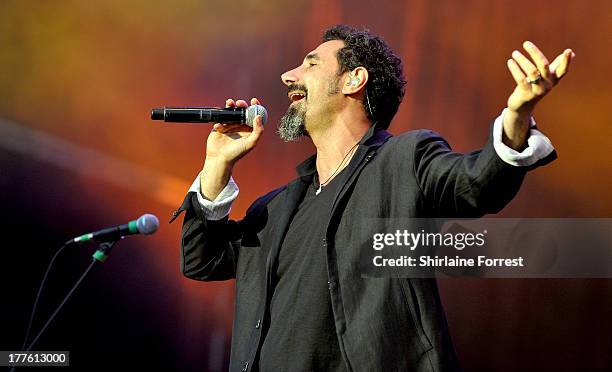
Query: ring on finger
[535, 80]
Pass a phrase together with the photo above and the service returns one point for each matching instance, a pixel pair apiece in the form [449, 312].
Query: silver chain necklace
[321, 184]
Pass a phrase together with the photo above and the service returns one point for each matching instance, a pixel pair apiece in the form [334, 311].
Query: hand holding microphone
[226, 144]
[235, 134]
[229, 142]
[236, 120]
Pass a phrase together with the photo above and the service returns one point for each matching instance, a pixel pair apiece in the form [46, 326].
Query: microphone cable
[74, 287]
[97, 258]
[40, 288]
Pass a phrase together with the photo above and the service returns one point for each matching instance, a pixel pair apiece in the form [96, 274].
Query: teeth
[296, 96]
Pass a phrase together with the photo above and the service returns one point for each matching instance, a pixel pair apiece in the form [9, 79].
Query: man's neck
[336, 144]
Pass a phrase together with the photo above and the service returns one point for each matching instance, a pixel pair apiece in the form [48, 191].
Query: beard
[292, 125]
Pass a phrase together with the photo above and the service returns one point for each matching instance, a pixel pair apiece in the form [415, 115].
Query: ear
[356, 81]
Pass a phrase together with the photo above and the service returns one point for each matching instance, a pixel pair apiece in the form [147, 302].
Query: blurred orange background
[78, 80]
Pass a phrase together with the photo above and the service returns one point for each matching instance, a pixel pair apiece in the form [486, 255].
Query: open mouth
[296, 96]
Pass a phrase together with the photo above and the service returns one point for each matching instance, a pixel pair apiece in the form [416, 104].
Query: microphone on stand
[146, 224]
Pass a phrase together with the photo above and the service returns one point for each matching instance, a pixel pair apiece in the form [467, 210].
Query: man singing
[301, 302]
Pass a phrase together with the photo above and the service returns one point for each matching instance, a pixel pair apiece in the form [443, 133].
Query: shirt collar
[374, 137]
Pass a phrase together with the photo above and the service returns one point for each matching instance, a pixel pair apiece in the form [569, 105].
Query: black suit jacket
[382, 324]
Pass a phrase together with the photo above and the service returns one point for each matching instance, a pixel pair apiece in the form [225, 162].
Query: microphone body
[230, 115]
[147, 224]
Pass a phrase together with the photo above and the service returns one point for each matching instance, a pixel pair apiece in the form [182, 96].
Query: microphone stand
[103, 251]
[99, 256]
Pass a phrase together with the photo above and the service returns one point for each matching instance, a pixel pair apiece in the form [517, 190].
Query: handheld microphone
[230, 115]
[147, 224]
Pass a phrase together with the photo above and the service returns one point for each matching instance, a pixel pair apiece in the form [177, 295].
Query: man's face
[314, 92]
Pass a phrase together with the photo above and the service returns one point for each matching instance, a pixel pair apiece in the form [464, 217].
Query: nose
[289, 77]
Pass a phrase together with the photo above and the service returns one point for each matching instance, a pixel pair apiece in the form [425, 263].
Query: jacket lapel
[291, 198]
[373, 139]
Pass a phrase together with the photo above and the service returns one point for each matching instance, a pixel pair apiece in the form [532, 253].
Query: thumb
[560, 65]
[258, 129]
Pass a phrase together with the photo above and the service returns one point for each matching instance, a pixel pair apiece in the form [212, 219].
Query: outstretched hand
[534, 78]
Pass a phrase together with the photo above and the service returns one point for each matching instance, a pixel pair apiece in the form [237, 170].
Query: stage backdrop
[78, 152]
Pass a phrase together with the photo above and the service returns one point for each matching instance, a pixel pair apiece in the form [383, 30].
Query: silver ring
[536, 80]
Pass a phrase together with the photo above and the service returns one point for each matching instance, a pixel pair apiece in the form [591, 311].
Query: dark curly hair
[385, 87]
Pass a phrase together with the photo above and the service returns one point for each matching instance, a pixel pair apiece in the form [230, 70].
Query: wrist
[213, 163]
[521, 114]
[516, 128]
[214, 177]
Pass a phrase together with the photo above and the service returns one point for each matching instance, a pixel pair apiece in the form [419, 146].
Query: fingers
[231, 128]
[231, 103]
[258, 129]
[539, 58]
[550, 72]
[560, 65]
[517, 73]
[240, 103]
[529, 69]
[535, 77]
[251, 139]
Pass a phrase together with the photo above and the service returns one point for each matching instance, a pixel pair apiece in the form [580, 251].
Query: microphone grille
[253, 111]
[147, 224]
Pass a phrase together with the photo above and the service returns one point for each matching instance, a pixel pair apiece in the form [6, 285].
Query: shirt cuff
[220, 207]
[538, 145]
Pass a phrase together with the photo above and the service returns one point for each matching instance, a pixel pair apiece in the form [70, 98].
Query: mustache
[301, 87]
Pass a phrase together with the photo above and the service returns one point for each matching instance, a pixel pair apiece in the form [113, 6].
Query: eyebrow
[312, 56]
